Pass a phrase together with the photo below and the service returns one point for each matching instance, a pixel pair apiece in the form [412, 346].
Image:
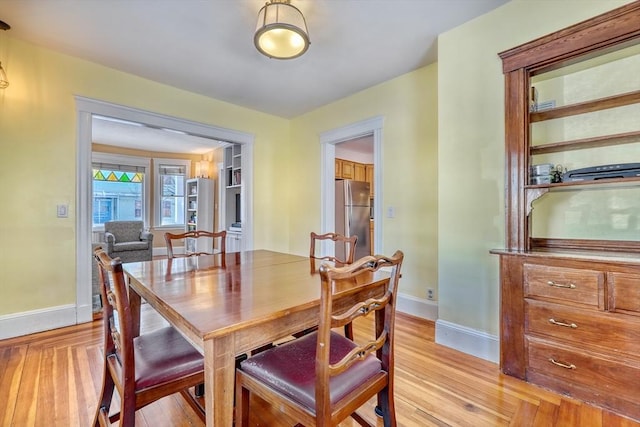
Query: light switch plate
[391, 212]
[63, 211]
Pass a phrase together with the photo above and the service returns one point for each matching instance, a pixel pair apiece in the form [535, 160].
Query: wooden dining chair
[141, 368]
[323, 377]
[196, 234]
[347, 246]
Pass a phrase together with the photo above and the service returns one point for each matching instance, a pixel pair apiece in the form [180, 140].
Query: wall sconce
[202, 169]
[4, 82]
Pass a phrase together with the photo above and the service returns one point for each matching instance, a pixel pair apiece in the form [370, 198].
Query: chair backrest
[117, 319]
[366, 297]
[349, 244]
[124, 231]
[196, 234]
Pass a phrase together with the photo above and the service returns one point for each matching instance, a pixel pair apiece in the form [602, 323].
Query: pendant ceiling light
[3, 76]
[281, 32]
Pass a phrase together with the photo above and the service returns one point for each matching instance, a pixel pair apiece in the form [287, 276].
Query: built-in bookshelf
[233, 196]
[199, 209]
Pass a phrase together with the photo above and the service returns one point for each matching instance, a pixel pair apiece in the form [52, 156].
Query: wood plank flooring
[52, 379]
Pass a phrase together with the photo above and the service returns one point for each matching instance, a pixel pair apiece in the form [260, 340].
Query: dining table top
[211, 295]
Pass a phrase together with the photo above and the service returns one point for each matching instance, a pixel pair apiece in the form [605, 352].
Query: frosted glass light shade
[281, 32]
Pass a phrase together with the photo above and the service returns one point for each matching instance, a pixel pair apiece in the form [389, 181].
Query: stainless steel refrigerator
[352, 215]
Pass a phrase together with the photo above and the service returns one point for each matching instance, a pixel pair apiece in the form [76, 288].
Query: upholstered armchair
[128, 241]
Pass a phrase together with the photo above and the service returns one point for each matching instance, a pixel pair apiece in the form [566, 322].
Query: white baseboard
[418, 307]
[29, 322]
[467, 340]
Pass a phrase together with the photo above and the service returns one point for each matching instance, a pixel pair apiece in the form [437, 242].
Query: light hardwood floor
[52, 379]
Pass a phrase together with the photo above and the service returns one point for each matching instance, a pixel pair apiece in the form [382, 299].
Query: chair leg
[386, 408]
[199, 390]
[348, 331]
[128, 406]
[104, 401]
[242, 405]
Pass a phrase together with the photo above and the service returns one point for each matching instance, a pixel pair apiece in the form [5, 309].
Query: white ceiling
[206, 46]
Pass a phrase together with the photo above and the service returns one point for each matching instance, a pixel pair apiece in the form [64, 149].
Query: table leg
[219, 379]
[134, 307]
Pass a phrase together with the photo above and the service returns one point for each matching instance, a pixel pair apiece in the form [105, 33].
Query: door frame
[328, 140]
[85, 109]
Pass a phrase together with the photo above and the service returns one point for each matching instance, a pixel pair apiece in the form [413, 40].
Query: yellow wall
[409, 162]
[38, 163]
[471, 149]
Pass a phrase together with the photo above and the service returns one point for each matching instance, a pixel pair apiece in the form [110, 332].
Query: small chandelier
[4, 82]
[282, 31]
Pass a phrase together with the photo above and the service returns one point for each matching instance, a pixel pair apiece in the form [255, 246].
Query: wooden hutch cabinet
[570, 272]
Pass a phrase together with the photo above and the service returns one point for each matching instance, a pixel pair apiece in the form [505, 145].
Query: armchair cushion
[125, 231]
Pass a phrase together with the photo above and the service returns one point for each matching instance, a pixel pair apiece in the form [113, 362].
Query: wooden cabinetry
[563, 329]
[359, 172]
[199, 208]
[348, 169]
[570, 285]
[369, 178]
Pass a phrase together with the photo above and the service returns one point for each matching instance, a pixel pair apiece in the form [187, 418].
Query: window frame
[157, 208]
[121, 159]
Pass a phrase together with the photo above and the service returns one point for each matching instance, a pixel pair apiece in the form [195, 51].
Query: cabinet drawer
[612, 382]
[566, 284]
[615, 333]
[624, 293]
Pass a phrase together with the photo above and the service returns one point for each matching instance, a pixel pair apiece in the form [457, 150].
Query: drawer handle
[566, 325]
[563, 365]
[561, 285]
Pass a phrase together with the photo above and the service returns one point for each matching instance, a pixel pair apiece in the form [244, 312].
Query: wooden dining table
[229, 304]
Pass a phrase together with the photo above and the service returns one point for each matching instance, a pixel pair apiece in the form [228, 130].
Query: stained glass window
[117, 194]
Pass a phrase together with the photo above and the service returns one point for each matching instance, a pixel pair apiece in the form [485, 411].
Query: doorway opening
[368, 130]
[86, 110]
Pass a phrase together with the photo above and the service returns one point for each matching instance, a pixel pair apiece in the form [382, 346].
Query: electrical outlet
[429, 293]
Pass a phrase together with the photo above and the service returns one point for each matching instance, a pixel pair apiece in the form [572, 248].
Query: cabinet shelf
[596, 183]
[578, 144]
[586, 107]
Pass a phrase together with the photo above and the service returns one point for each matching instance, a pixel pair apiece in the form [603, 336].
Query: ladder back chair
[323, 377]
[339, 240]
[348, 246]
[141, 368]
[221, 236]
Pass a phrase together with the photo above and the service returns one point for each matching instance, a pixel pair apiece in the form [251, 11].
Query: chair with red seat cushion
[341, 245]
[193, 235]
[324, 377]
[145, 368]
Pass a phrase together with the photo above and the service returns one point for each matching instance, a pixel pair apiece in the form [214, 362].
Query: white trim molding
[328, 140]
[29, 322]
[86, 108]
[467, 340]
[417, 307]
